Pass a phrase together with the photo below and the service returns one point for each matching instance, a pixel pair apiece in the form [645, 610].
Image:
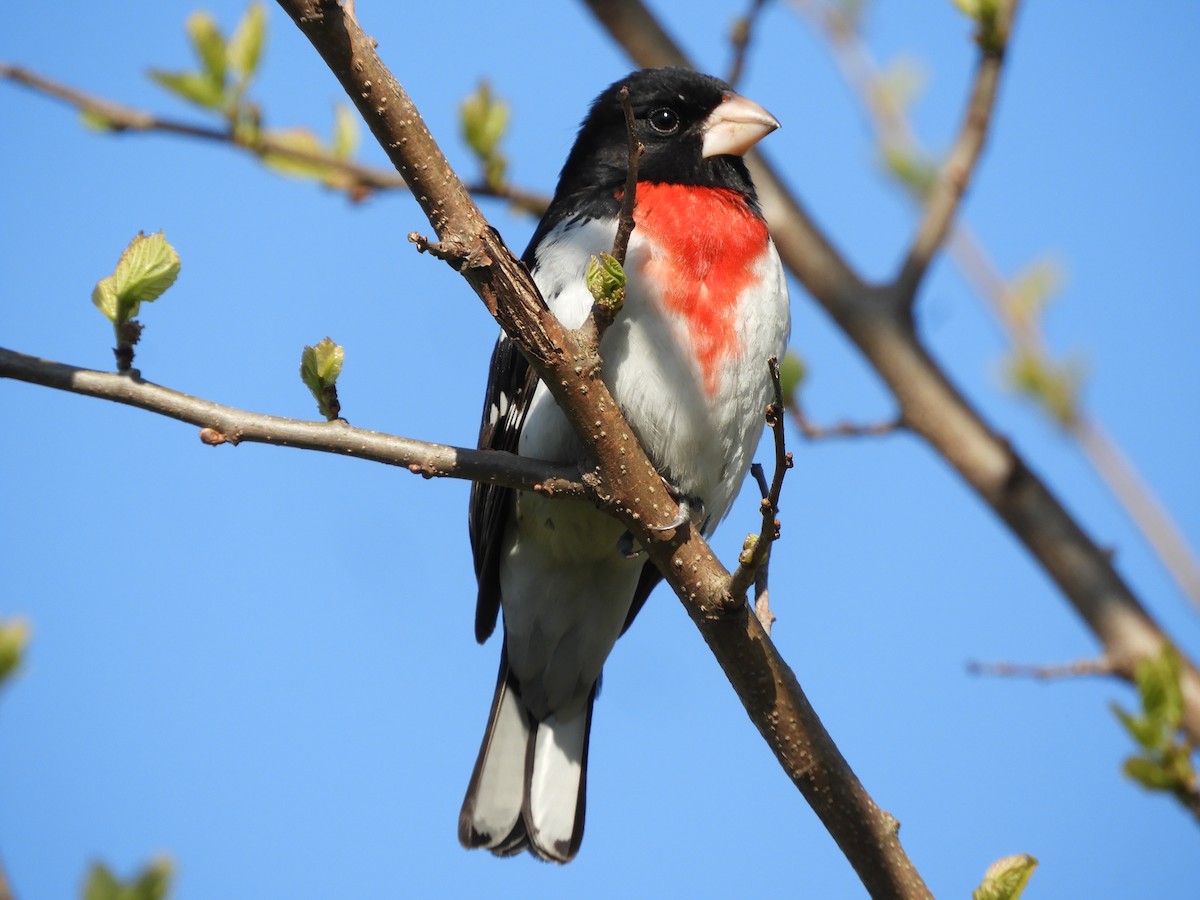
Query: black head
[684, 142]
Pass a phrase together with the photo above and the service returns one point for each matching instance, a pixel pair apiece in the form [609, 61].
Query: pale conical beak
[735, 126]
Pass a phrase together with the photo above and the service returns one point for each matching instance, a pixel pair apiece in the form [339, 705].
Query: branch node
[214, 438]
[452, 252]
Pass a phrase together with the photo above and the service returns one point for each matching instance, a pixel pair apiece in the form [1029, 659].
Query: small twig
[1076, 669]
[756, 553]
[360, 179]
[625, 221]
[812, 432]
[226, 425]
[5, 890]
[739, 36]
[609, 286]
[960, 163]
[762, 601]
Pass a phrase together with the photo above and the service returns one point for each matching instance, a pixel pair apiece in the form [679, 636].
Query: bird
[706, 306]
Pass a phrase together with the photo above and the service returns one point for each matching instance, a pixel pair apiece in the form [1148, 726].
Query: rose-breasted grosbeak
[705, 307]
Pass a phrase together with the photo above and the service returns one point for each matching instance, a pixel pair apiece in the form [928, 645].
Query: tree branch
[624, 478]
[957, 169]
[756, 554]
[226, 425]
[740, 36]
[878, 320]
[1045, 673]
[361, 178]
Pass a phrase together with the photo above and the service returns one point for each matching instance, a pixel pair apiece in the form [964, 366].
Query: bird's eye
[664, 120]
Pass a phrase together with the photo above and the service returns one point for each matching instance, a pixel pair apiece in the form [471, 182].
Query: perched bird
[686, 359]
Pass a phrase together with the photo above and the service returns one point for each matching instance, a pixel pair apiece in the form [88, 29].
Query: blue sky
[260, 661]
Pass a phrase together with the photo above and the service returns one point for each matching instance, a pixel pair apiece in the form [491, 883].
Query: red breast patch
[709, 241]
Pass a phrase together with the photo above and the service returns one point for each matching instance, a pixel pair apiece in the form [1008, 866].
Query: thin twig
[359, 179]
[812, 432]
[625, 221]
[740, 35]
[957, 169]
[1076, 669]
[226, 425]
[757, 553]
[762, 598]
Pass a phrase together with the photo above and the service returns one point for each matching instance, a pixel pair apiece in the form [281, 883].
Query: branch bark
[226, 425]
[624, 479]
[878, 320]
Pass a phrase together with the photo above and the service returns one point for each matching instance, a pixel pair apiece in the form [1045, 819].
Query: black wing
[510, 388]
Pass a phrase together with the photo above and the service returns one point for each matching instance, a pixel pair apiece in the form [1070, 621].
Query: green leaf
[1145, 732]
[1149, 774]
[152, 883]
[606, 281]
[1054, 386]
[483, 119]
[302, 141]
[1159, 682]
[320, 367]
[345, 132]
[209, 45]
[104, 295]
[245, 45]
[1006, 878]
[900, 84]
[96, 121]
[14, 635]
[915, 171]
[792, 372]
[195, 87]
[145, 270]
[1029, 293]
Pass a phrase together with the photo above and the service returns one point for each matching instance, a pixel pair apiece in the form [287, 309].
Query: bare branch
[629, 198]
[1075, 669]
[757, 554]
[959, 165]
[740, 36]
[878, 320]
[226, 425]
[813, 432]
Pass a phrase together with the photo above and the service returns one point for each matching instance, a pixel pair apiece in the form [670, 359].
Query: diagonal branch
[226, 425]
[624, 479]
[1148, 512]
[879, 322]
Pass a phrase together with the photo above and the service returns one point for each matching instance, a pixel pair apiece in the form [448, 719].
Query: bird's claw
[627, 548]
[691, 509]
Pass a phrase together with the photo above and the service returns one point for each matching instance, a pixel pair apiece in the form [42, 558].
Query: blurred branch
[813, 432]
[360, 179]
[1023, 330]
[740, 35]
[624, 479]
[1046, 673]
[878, 320]
[224, 424]
[5, 890]
[954, 176]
